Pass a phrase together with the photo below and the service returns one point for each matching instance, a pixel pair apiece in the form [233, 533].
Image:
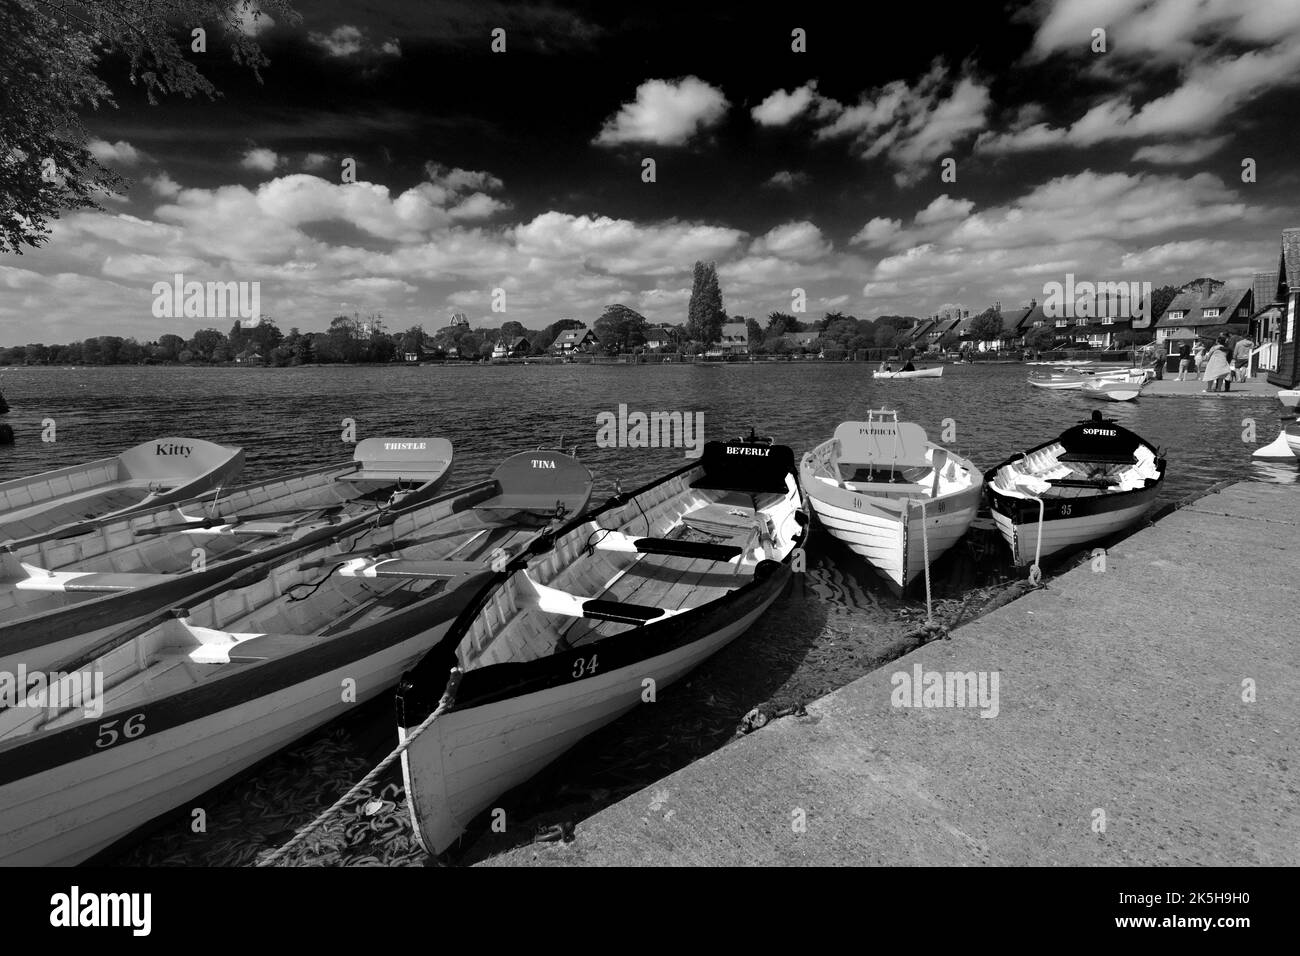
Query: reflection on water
[836, 624]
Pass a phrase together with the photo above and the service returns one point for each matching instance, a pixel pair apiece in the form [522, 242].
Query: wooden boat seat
[887, 489]
[521, 502]
[1120, 459]
[620, 612]
[676, 547]
[721, 520]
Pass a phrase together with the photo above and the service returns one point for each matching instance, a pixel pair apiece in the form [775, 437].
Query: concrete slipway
[1120, 691]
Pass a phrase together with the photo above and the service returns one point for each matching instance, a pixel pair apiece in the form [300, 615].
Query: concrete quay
[1147, 711]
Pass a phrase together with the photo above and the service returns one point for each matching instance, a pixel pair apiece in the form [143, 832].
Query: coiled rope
[448, 697]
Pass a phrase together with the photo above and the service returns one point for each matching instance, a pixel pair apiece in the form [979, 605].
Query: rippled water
[837, 625]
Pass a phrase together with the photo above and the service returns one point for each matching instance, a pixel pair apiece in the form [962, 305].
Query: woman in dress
[1218, 367]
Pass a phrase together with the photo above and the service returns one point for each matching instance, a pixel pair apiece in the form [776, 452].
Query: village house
[660, 337]
[916, 334]
[1267, 321]
[801, 341]
[512, 348]
[732, 340]
[581, 339]
[1200, 306]
[942, 326]
[1016, 324]
[1287, 373]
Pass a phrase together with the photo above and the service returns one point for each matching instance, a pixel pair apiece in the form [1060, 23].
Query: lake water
[838, 625]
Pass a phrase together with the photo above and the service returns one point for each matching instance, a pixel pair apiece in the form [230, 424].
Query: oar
[939, 458]
[325, 511]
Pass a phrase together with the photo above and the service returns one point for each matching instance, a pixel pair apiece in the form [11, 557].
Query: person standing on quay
[1218, 368]
[1184, 361]
[1241, 358]
[1159, 364]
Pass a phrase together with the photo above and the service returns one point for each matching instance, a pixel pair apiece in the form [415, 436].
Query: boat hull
[936, 372]
[66, 814]
[1067, 523]
[466, 759]
[893, 535]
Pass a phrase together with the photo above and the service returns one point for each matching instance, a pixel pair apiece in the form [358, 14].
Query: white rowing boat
[61, 593]
[933, 372]
[192, 698]
[571, 635]
[150, 474]
[1112, 390]
[1093, 480]
[891, 495]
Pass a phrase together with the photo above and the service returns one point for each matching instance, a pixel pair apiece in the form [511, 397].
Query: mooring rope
[448, 697]
[1036, 571]
[925, 551]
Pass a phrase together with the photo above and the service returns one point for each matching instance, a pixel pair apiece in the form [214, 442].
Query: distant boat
[1093, 480]
[152, 473]
[1289, 397]
[61, 594]
[933, 372]
[1112, 391]
[569, 636]
[1058, 384]
[891, 495]
[252, 665]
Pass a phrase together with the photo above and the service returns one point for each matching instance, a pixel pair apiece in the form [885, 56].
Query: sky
[817, 169]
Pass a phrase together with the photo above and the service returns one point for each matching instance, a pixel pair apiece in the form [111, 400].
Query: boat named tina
[564, 639]
[1097, 478]
[890, 494]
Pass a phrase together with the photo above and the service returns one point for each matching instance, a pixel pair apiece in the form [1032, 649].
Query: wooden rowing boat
[61, 592]
[891, 495]
[934, 372]
[572, 633]
[195, 696]
[1112, 391]
[1095, 479]
[152, 473]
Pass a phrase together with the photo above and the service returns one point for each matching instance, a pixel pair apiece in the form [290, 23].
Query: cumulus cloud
[314, 161]
[261, 159]
[785, 179]
[121, 152]
[1225, 54]
[781, 107]
[910, 124]
[350, 42]
[792, 240]
[665, 113]
[877, 232]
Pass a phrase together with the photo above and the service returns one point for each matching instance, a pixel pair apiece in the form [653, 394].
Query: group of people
[1219, 364]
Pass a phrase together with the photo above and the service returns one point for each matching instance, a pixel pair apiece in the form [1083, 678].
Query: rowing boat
[1112, 390]
[933, 372]
[1095, 479]
[152, 473]
[580, 629]
[61, 592]
[891, 495]
[192, 697]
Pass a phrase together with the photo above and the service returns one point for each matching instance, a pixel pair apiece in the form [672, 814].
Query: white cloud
[347, 41]
[1178, 154]
[781, 107]
[261, 159]
[877, 232]
[793, 240]
[785, 179]
[911, 124]
[121, 152]
[665, 112]
[162, 185]
[252, 20]
[314, 161]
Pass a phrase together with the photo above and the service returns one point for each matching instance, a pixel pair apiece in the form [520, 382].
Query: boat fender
[6, 435]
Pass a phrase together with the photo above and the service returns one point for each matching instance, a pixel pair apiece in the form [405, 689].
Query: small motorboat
[61, 592]
[1095, 479]
[1112, 390]
[1061, 383]
[890, 494]
[932, 372]
[1290, 397]
[191, 697]
[152, 473]
[571, 633]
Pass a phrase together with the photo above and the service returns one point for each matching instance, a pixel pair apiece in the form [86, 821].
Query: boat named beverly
[890, 494]
[573, 632]
[1093, 480]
